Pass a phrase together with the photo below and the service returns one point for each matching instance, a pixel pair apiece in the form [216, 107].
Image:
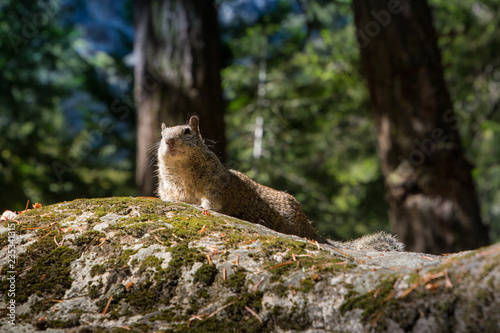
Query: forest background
[68, 117]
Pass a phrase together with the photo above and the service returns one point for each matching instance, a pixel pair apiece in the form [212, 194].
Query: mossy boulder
[143, 265]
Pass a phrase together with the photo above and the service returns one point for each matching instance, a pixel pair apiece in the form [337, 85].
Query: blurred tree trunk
[177, 75]
[433, 204]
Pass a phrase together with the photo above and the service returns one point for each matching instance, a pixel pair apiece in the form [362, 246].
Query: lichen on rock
[143, 265]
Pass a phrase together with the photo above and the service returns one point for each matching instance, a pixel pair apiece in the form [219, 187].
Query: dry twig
[254, 313]
[258, 284]
[220, 309]
[158, 239]
[282, 264]
[107, 306]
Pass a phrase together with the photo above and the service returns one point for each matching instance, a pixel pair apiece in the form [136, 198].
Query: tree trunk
[177, 75]
[433, 204]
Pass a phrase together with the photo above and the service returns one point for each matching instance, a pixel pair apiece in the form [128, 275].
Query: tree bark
[177, 75]
[433, 204]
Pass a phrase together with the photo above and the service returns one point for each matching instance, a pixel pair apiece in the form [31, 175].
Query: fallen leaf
[8, 215]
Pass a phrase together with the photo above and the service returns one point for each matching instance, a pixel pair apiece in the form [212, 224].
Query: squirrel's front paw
[206, 205]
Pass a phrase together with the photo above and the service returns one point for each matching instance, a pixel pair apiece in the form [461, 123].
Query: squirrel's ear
[163, 126]
[194, 124]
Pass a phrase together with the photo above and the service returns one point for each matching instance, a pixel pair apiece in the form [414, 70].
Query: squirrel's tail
[380, 241]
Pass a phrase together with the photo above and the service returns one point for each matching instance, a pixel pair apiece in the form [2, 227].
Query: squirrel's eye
[187, 131]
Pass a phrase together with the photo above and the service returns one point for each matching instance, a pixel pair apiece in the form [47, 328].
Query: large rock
[143, 265]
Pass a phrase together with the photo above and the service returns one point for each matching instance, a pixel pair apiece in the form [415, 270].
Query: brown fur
[196, 176]
[189, 172]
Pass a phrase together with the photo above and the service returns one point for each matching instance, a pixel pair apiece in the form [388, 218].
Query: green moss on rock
[290, 319]
[150, 262]
[87, 237]
[306, 285]
[236, 281]
[47, 273]
[206, 274]
[373, 303]
[97, 270]
[182, 256]
[123, 259]
[145, 297]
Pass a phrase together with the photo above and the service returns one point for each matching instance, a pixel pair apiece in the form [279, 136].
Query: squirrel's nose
[170, 142]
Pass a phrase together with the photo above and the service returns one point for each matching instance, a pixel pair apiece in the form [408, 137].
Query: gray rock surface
[143, 265]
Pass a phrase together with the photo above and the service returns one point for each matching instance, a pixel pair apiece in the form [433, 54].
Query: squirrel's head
[177, 141]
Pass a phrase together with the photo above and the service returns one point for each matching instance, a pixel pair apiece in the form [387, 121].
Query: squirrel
[189, 172]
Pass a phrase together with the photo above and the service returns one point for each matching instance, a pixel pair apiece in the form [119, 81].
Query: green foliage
[48, 82]
[319, 137]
